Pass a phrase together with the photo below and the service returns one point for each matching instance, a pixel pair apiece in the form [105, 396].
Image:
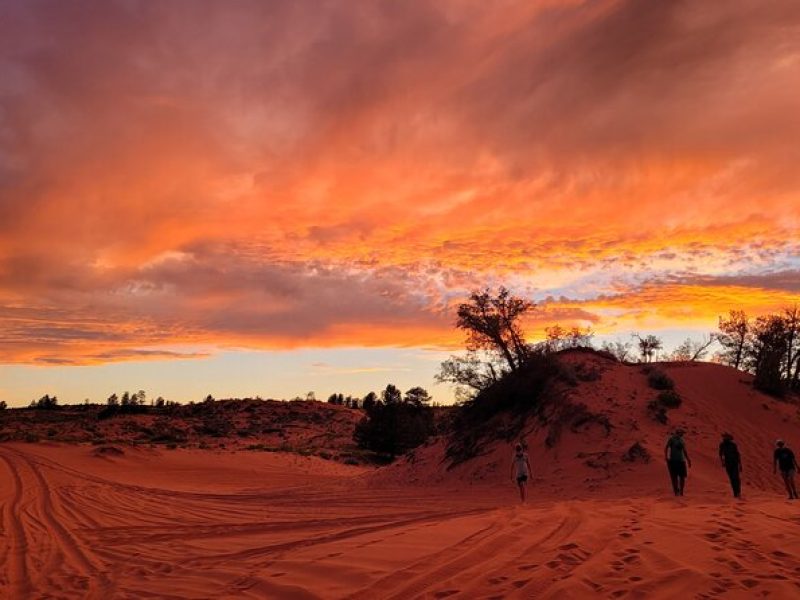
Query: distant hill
[600, 432]
[304, 427]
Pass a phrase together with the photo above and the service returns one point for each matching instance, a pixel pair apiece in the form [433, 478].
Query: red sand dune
[152, 523]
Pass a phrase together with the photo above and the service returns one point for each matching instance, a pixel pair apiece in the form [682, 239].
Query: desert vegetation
[767, 346]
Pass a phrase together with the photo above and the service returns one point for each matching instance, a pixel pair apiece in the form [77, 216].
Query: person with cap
[731, 462]
[520, 470]
[784, 459]
[678, 460]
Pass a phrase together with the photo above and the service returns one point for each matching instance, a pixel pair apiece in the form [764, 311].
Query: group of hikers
[679, 463]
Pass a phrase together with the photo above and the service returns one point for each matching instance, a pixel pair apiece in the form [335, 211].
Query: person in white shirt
[520, 470]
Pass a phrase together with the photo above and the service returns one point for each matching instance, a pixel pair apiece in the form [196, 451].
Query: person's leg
[673, 477]
[788, 484]
[792, 486]
[681, 484]
[521, 490]
[736, 482]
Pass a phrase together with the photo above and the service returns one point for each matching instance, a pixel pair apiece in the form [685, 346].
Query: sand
[82, 521]
[197, 524]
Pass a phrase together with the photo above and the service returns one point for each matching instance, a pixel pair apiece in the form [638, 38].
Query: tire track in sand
[84, 575]
[501, 536]
[16, 563]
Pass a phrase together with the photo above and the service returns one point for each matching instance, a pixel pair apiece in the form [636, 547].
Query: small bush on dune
[658, 380]
[658, 407]
[636, 453]
[657, 412]
[669, 399]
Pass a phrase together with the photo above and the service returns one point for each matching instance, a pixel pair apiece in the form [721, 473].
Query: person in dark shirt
[677, 458]
[732, 463]
[783, 458]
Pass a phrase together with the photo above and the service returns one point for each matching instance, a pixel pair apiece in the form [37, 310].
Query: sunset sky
[273, 197]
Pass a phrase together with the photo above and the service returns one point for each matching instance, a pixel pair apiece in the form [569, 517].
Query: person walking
[732, 463]
[521, 470]
[678, 460]
[784, 459]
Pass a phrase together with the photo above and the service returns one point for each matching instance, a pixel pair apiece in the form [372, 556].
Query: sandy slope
[192, 524]
[78, 522]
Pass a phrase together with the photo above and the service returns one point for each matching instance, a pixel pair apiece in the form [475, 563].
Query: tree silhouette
[395, 425]
[418, 396]
[391, 395]
[369, 401]
[734, 335]
[492, 323]
[649, 345]
[767, 353]
[619, 350]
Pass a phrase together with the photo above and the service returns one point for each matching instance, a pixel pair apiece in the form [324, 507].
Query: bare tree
[620, 350]
[649, 345]
[693, 350]
[734, 335]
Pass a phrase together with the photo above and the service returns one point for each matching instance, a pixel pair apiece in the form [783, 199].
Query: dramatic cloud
[270, 174]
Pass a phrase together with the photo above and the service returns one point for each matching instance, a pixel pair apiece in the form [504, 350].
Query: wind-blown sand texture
[151, 523]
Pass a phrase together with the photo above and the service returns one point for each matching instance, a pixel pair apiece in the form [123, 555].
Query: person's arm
[530, 469]
[686, 454]
[794, 460]
[774, 463]
[666, 450]
[739, 459]
[512, 468]
[721, 456]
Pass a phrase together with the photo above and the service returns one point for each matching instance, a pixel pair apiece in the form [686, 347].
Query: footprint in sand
[445, 593]
[497, 580]
[527, 567]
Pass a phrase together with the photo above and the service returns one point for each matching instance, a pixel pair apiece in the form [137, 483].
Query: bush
[657, 412]
[658, 380]
[669, 399]
[215, 426]
[517, 394]
[394, 428]
[636, 453]
[666, 400]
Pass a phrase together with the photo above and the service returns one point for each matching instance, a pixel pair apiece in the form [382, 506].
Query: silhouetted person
[520, 470]
[783, 458]
[677, 460]
[732, 462]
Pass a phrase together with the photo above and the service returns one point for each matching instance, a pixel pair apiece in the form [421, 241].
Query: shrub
[658, 380]
[669, 399]
[394, 428]
[657, 412]
[636, 453]
[519, 394]
[215, 426]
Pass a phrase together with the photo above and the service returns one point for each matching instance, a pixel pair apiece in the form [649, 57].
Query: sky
[275, 197]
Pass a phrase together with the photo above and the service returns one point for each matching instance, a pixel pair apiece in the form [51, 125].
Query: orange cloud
[273, 174]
